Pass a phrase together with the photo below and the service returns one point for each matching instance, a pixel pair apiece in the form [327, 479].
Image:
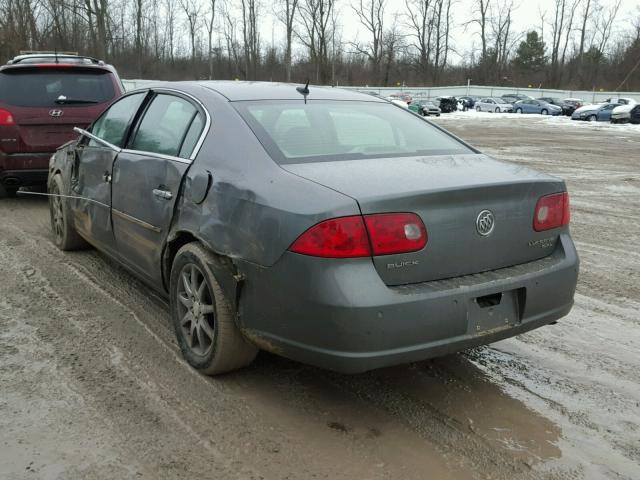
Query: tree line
[575, 44]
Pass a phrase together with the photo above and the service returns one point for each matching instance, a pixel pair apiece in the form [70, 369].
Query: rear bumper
[24, 169]
[340, 316]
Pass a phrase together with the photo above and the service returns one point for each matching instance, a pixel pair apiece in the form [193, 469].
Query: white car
[621, 100]
[493, 104]
[400, 103]
[622, 114]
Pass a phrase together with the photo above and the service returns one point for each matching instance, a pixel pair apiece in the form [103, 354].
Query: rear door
[92, 169]
[147, 177]
[47, 102]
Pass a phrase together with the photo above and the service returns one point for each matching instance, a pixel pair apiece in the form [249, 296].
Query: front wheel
[544, 112]
[478, 109]
[592, 118]
[497, 110]
[203, 316]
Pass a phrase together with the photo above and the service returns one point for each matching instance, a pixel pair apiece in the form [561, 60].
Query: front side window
[294, 132]
[112, 126]
[165, 125]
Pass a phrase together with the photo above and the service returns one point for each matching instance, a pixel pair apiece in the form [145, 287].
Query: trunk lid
[448, 193]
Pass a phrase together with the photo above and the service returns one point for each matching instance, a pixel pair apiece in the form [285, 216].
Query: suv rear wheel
[203, 317]
[7, 191]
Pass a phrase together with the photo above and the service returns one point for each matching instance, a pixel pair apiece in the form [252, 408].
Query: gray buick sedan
[324, 225]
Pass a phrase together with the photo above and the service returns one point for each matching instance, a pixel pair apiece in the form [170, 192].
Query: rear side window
[165, 126]
[294, 132]
[113, 124]
[41, 87]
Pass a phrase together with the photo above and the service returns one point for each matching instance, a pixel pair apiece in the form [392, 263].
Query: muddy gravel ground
[92, 385]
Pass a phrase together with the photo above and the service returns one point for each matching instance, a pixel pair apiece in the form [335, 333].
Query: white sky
[526, 17]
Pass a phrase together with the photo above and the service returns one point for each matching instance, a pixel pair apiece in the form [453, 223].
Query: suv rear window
[42, 87]
[294, 132]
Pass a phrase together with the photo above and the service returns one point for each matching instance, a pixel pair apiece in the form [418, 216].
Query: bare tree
[419, 24]
[287, 16]
[210, 23]
[316, 31]
[192, 10]
[370, 13]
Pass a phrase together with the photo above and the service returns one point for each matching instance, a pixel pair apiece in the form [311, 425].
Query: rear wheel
[64, 234]
[7, 192]
[518, 110]
[203, 316]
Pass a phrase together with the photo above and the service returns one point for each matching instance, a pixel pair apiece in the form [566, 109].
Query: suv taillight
[6, 118]
[552, 211]
[358, 236]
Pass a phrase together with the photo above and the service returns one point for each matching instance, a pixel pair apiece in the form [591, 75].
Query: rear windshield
[42, 87]
[293, 132]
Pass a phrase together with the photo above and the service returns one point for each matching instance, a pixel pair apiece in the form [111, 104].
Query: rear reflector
[6, 118]
[396, 233]
[552, 211]
[357, 236]
[344, 237]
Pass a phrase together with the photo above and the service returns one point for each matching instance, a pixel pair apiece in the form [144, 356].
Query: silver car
[324, 225]
[493, 104]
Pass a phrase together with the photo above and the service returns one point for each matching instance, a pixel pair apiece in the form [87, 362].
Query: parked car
[493, 104]
[600, 112]
[469, 101]
[395, 101]
[536, 106]
[567, 107]
[622, 113]
[447, 104]
[634, 116]
[42, 97]
[621, 101]
[425, 108]
[341, 232]
[513, 97]
[403, 97]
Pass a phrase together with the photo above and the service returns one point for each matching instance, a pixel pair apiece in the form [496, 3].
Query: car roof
[236, 91]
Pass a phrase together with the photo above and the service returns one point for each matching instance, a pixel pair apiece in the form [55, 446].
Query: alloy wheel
[57, 214]
[195, 310]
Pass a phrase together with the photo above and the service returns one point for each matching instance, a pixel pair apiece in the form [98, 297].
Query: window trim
[176, 93]
[132, 121]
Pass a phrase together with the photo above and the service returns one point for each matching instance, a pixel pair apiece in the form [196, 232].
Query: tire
[544, 111]
[518, 110]
[64, 234]
[478, 109]
[7, 192]
[497, 110]
[592, 118]
[203, 317]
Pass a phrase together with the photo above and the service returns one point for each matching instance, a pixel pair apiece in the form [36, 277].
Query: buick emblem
[55, 113]
[485, 222]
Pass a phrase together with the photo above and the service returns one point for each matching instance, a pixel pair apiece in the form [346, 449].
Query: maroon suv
[42, 97]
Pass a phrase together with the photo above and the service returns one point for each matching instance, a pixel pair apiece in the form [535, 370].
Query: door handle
[166, 194]
[106, 176]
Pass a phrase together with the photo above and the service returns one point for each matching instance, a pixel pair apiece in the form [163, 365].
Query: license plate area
[495, 311]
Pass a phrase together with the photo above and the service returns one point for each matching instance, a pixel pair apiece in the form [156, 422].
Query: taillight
[6, 118]
[357, 236]
[552, 211]
[344, 237]
[395, 233]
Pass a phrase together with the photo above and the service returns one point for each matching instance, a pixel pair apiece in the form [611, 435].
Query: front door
[92, 169]
[147, 176]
